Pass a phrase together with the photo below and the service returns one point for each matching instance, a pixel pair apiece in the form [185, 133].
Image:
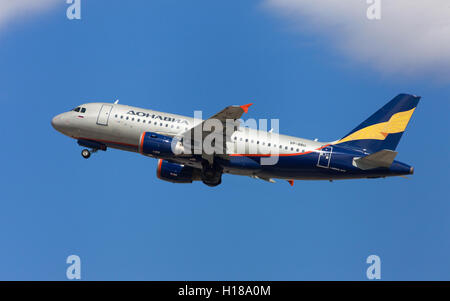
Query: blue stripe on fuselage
[305, 166]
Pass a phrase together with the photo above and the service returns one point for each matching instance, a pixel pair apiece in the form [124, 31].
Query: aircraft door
[103, 115]
[325, 157]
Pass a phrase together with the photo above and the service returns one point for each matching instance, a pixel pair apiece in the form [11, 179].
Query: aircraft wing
[198, 133]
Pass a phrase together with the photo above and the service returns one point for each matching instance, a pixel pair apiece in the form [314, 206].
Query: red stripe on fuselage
[232, 155]
[107, 141]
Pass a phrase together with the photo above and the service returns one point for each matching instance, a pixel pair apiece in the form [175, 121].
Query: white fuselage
[121, 126]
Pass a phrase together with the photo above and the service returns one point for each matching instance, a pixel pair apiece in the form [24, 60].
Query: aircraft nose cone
[57, 122]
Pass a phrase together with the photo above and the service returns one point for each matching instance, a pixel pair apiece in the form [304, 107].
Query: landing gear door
[325, 157]
[103, 116]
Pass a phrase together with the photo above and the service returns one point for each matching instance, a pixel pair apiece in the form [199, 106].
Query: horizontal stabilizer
[383, 158]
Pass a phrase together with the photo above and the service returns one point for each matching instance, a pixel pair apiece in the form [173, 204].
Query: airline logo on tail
[379, 131]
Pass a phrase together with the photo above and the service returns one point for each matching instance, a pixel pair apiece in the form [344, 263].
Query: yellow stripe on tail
[396, 124]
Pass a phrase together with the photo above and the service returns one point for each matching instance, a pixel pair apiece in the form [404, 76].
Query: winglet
[245, 107]
[291, 182]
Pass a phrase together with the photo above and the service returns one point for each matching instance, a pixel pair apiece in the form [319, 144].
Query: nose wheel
[85, 153]
[92, 147]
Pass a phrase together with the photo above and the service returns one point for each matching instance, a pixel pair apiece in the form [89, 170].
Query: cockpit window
[79, 109]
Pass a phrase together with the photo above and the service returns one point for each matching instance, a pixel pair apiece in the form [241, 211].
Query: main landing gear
[211, 175]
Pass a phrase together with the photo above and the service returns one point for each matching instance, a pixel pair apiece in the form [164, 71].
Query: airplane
[367, 151]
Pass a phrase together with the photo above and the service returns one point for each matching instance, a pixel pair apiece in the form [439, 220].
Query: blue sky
[181, 56]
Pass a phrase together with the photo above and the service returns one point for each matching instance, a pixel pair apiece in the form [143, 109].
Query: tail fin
[383, 129]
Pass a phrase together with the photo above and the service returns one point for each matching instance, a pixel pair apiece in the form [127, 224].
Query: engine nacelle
[158, 145]
[176, 173]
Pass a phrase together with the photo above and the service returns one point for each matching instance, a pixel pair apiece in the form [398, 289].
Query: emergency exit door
[103, 115]
[325, 157]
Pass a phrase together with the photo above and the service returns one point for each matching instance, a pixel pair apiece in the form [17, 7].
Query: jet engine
[177, 173]
[158, 145]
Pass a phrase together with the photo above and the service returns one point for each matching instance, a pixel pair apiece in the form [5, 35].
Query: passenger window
[286, 147]
[246, 140]
[268, 144]
[297, 149]
[121, 116]
[126, 118]
[167, 125]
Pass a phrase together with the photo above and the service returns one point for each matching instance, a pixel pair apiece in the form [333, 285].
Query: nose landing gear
[93, 145]
[85, 153]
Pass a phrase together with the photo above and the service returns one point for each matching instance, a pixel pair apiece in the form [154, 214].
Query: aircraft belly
[114, 135]
[305, 166]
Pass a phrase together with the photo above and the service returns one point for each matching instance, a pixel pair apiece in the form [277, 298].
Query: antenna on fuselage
[116, 102]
